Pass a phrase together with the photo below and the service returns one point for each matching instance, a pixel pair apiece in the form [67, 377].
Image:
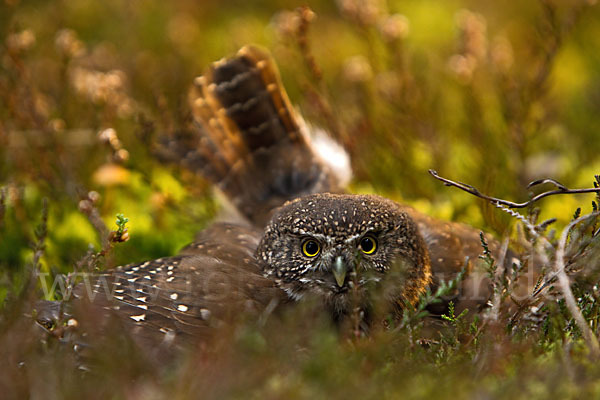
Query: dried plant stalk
[565, 287]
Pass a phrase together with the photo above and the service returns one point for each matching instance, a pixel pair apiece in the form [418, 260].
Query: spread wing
[214, 281]
[453, 246]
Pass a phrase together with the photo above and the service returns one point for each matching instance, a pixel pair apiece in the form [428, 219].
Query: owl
[297, 234]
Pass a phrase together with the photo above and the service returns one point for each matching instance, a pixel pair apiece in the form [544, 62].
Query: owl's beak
[339, 270]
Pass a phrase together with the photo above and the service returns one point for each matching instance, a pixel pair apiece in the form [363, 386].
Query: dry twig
[565, 287]
[561, 189]
[559, 265]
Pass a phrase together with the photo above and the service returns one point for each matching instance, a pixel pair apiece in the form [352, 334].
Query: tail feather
[248, 140]
[248, 99]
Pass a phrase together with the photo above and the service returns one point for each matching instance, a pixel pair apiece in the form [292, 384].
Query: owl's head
[337, 245]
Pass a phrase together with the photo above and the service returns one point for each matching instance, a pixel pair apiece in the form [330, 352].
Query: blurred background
[495, 94]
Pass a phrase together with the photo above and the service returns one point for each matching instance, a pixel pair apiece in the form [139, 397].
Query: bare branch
[561, 189]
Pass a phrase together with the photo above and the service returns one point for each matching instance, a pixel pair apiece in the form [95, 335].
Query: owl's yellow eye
[368, 245]
[310, 248]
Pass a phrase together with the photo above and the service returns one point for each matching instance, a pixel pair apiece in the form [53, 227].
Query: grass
[496, 95]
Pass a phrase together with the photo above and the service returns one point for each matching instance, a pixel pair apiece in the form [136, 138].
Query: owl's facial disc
[335, 246]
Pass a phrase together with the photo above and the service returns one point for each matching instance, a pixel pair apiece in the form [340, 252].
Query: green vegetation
[496, 94]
